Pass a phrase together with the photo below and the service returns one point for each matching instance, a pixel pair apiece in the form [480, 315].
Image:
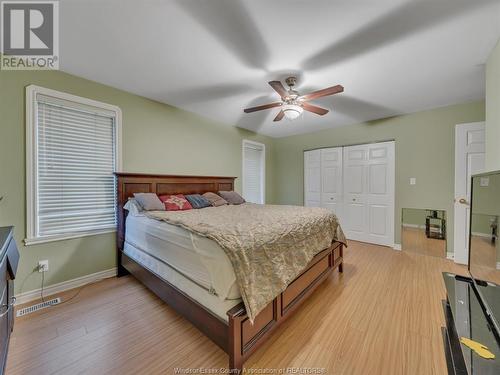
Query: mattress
[197, 258]
[213, 303]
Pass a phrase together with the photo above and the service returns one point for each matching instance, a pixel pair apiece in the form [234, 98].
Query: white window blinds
[253, 172]
[75, 157]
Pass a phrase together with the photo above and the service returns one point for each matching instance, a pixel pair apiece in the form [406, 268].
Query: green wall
[493, 110]
[157, 138]
[417, 216]
[413, 216]
[425, 144]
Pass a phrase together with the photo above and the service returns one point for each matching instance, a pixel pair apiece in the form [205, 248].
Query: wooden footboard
[238, 337]
[245, 338]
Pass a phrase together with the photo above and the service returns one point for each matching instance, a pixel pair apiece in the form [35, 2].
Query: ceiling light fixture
[292, 104]
[292, 111]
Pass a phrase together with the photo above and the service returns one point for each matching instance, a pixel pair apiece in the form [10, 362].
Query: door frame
[460, 254]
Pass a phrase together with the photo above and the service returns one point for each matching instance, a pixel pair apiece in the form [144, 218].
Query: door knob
[462, 201]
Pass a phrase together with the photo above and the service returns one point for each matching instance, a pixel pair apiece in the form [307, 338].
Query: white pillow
[133, 207]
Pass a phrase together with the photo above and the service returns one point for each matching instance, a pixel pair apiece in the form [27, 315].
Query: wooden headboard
[130, 183]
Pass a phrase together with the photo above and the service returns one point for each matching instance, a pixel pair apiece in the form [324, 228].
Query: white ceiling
[214, 57]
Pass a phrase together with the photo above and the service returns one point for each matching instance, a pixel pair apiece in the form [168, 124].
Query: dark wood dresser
[9, 258]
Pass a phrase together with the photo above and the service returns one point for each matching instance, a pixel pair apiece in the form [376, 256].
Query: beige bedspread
[268, 245]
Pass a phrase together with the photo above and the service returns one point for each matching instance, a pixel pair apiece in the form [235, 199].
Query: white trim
[461, 244]
[39, 240]
[479, 234]
[263, 170]
[458, 261]
[34, 89]
[405, 225]
[450, 255]
[65, 285]
[31, 154]
[498, 265]
[397, 246]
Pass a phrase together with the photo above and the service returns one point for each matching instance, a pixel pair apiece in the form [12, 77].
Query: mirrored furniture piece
[472, 307]
[465, 317]
[435, 224]
[9, 258]
[424, 231]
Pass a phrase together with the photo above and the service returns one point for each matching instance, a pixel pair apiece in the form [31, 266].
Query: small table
[435, 225]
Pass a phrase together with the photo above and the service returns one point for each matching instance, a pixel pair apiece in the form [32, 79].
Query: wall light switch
[413, 181]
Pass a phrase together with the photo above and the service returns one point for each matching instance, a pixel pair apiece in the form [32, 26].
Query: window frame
[32, 157]
[263, 167]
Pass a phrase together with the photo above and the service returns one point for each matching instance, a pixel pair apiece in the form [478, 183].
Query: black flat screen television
[484, 244]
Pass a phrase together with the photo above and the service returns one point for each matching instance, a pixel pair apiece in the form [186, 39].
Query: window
[73, 148]
[254, 159]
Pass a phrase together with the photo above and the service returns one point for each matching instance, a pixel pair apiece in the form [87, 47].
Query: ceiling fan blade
[312, 108]
[320, 93]
[261, 107]
[278, 87]
[279, 116]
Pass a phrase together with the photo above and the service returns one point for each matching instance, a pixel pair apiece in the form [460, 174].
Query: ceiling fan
[292, 104]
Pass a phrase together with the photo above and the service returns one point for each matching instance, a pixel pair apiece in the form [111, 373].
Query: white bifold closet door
[323, 179]
[357, 184]
[331, 180]
[369, 174]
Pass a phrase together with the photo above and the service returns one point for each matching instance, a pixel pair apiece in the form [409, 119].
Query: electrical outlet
[43, 265]
[413, 181]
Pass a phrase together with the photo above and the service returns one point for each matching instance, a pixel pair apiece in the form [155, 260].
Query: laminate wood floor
[415, 240]
[382, 316]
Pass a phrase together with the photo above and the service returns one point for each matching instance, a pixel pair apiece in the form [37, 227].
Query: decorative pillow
[215, 200]
[232, 197]
[198, 201]
[175, 202]
[133, 207]
[149, 201]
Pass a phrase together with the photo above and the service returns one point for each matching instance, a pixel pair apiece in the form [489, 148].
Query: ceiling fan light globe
[292, 111]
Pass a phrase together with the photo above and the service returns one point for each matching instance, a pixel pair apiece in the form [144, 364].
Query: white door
[369, 179]
[469, 160]
[331, 180]
[355, 211]
[254, 162]
[312, 178]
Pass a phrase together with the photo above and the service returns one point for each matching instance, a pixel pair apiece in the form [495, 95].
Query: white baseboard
[405, 225]
[397, 246]
[450, 255]
[479, 234]
[65, 285]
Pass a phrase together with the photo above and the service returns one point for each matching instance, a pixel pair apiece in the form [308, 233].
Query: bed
[172, 262]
